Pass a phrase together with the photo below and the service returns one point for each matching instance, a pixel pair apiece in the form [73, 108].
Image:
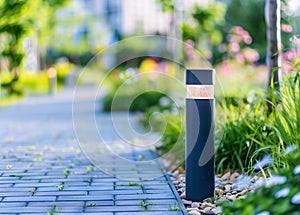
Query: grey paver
[29, 199]
[151, 213]
[26, 209]
[113, 209]
[84, 198]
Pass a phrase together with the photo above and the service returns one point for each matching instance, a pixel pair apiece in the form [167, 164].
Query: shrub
[141, 103]
[63, 69]
[286, 119]
[245, 136]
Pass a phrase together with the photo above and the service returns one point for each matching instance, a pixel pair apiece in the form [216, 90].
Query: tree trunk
[272, 16]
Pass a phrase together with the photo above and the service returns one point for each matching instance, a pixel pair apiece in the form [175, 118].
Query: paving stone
[127, 208]
[5, 194]
[115, 192]
[84, 198]
[61, 193]
[101, 203]
[5, 185]
[151, 213]
[15, 189]
[90, 188]
[26, 209]
[98, 213]
[162, 201]
[58, 204]
[30, 199]
[144, 196]
[63, 209]
[12, 204]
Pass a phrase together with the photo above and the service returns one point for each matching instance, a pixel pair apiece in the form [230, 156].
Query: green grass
[144, 203]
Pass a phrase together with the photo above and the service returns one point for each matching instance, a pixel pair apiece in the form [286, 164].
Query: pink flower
[222, 48]
[286, 67]
[234, 47]
[207, 54]
[190, 43]
[247, 39]
[234, 38]
[225, 68]
[250, 55]
[238, 30]
[286, 28]
[295, 40]
[240, 58]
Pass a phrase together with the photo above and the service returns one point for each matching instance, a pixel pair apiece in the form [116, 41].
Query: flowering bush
[237, 48]
[290, 56]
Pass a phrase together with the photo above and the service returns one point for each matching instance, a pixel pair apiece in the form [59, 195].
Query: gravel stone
[195, 204]
[194, 212]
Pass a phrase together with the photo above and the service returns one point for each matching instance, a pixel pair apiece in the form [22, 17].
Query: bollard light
[52, 75]
[200, 164]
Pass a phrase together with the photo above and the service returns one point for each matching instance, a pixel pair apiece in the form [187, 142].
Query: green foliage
[133, 94]
[19, 18]
[172, 133]
[205, 20]
[141, 103]
[171, 128]
[63, 69]
[286, 118]
[15, 23]
[249, 134]
[287, 114]
[281, 198]
[167, 5]
[246, 135]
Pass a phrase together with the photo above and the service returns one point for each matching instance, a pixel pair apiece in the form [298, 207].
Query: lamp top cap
[200, 76]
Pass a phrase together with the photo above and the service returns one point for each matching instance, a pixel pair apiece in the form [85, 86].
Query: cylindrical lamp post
[52, 75]
[200, 163]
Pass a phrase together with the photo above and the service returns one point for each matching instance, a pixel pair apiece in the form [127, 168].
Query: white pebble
[194, 212]
[195, 205]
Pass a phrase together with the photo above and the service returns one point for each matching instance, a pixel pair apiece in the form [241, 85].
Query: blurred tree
[45, 25]
[203, 28]
[167, 5]
[272, 15]
[15, 23]
[18, 19]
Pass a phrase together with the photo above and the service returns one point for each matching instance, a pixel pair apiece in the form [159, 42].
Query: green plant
[280, 195]
[63, 69]
[139, 103]
[286, 116]
[246, 136]
[92, 204]
[66, 172]
[133, 184]
[89, 169]
[54, 210]
[61, 187]
[175, 207]
[172, 133]
[144, 203]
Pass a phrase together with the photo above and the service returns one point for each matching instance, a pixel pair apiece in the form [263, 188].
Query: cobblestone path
[43, 170]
